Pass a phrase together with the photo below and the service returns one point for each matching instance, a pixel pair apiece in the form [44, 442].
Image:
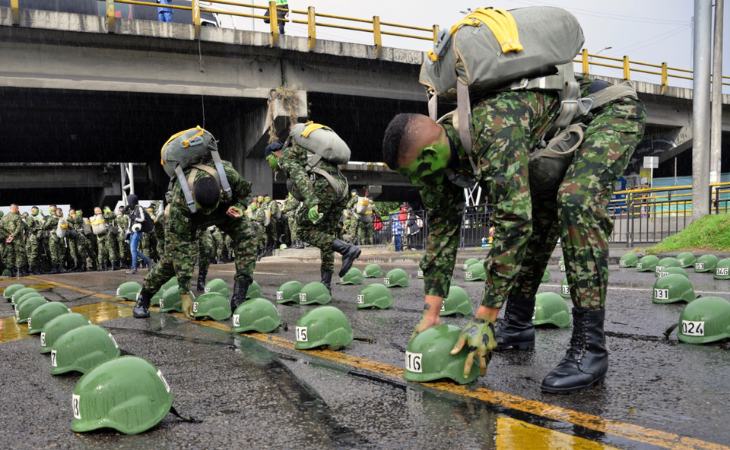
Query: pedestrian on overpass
[164, 14]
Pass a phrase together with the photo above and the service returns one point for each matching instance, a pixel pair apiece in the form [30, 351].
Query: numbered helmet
[323, 326]
[314, 292]
[25, 298]
[673, 288]
[127, 394]
[257, 314]
[22, 314]
[429, 358]
[219, 286]
[665, 263]
[475, 272]
[457, 302]
[705, 320]
[673, 270]
[551, 309]
[129, 290]
[283, 247]
[546, 276]
[565, 288]
[353, 276]
[254, 291]
[686, 259]
[58, 326]
[10, 290]
[212, 305]
[722, 269]
[170, 283]
[17, 295]
[396, 278]
[561, 264]
[374, 295]
[172, 301]
[628, 260]
[288, 292]
[373, 271]
[468, 263]
[82, 348]
[44, 314]
[647, 264]
[419, 274]
[155, 300]
[706, 263]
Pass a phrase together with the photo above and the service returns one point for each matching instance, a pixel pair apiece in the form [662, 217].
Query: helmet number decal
[195, 307]
[639, 265]
[467, 275]
[301, 334]
[413, 362]
[659, 268]
[206, 290]
[690, 328]
[662, 274]
[566, 289]
[53, 359]
[622, 263]
[386, 281]
[302, 296]
[17, 314]
[443, 306]
[361, 298]
[420, 273]
[279, 295]
[29, 327]
[464, 267]
[76, 405]
[162, 304]
[699, 266]
[718, 271]
[236, 320]
[661, 294]
[167, 386]
[118, 292]
[43, 339]
[562, 267]
[113, 340]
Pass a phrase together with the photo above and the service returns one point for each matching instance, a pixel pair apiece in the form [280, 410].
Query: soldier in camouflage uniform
[290, 209]
[14, 255]
[259, 216]
[32, 247]
[76, 248]
[506, 127]
[272, 231]
[105, 244]
[123, 249]
[317, 220]
[213, 208]
[204, 251]
[80, 242]
[158, 232]
[220, 246]
[56, 244]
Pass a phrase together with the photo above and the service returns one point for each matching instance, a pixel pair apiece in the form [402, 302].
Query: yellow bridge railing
[378, 29]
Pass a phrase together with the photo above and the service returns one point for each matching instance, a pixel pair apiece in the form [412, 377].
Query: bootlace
[578, 341]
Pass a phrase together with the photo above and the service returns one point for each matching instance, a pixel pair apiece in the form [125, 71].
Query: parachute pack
[322, 144]
[364, 210]
[189, 148]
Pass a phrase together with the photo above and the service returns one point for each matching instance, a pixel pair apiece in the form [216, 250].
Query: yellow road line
[513, 433]
[629, 431]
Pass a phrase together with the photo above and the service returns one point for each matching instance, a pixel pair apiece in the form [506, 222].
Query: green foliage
[388, 207]
[711, 233]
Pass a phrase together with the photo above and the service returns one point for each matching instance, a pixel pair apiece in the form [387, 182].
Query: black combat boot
[83, 267]
[300, 244]
[515, 330]
[240, 288]
[99, 267]
[103, 267]
[22, 272]
[202, 275]
[327, 280]
[114, 266]
[586, 361]
[13, 272]
[349, 254]
[56, 269]
[142, 307]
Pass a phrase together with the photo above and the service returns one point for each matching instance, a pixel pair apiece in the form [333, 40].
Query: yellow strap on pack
[98, 222]
[63, 226]
[368, 212]
[174, 136]
[311, 126]
[499, 21]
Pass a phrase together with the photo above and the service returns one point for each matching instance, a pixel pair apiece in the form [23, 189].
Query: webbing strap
[670, 330]
[433, 106]
[186, 189]
[189, 419]
[340, 190]
[463, 111]
[610, 93]
[222, 180]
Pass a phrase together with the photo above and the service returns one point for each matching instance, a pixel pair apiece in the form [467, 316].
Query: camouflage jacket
[294, 160]
[290, 206]
[13, 225]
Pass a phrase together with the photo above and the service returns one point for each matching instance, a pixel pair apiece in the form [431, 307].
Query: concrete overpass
[75, 93]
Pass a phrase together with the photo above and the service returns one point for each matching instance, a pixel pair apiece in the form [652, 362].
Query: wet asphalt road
[254, 394]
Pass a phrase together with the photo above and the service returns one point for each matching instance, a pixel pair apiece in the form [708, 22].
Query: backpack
[62, 228]
[364, 209]
[99, 225]
[189, 148]
[322, 144]
[148, 225]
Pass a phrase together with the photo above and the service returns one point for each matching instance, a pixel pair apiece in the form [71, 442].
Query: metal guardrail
[375, 27]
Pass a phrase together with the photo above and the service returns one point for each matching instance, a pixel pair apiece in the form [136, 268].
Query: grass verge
[711, 233]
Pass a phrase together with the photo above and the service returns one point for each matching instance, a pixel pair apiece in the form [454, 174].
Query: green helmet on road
[628, 260]
[565, 288]
[323, 326]
[58, 327]
[82, 348]
[673, 288]
[10, 290]
[219, 286]
[705, 320]
[373, 271]
[314, 292]
[170, 283]
[288, 292]
[353, 276]
[257, 314]
[17, 295]
[396, 278]
[551, 309]
[647, 264]
[375, 295]
[129, 290]
[475, 272]
[44, 314]
[24, 298]
[6, 273]
[456, 302]
[212, 305]
[706, 263]
[686, 259]
[468, 263]
[665, 263]
[429, 358]
[546, 276]
[155, 300]
[22, 314]
[254, 291]
[127, 394]
[172, 301]
[674, 271]
[722, 269]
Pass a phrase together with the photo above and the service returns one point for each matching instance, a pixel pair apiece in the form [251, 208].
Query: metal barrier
[407, 231]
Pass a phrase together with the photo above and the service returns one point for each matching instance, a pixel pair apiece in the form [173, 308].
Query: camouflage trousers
[123, 249]
[365, 233]
[205, 250]
[272, 231]
[14, 254]
[293, 233]
[323, 233]
[58, 249]
[106, 248]
[78, 251]
[33, 250]
[220, 247]
[260, 234]
[577, 214]
[229, 243]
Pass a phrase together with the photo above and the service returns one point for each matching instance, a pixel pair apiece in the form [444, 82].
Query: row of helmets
[704, 319]
[125, 393]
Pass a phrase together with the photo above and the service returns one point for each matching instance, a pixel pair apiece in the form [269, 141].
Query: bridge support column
[701, 109]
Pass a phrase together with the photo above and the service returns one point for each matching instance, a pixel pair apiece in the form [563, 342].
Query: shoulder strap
[340, 190]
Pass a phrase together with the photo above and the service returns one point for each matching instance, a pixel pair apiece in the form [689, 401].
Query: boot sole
[573, 390]
[516, 346]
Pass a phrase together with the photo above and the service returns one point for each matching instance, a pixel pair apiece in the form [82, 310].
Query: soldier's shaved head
[405, 136]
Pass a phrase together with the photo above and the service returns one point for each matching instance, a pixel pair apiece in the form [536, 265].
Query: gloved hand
[314, 214]
[235, 212]
[479, 333]
[187, 306]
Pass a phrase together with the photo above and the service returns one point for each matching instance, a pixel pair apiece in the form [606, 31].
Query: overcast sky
[652, 31]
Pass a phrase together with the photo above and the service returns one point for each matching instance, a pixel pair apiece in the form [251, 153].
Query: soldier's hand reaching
[431, 314]
[479, 334]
